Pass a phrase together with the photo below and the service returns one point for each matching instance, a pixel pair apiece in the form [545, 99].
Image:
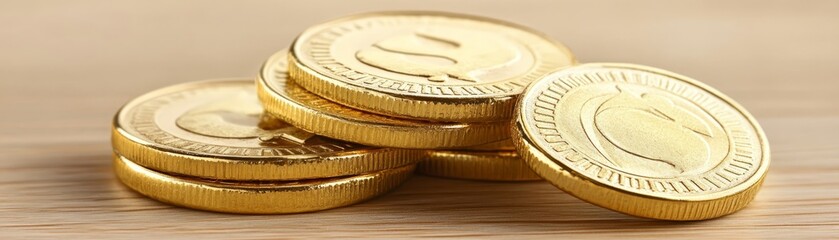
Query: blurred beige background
[66, 66]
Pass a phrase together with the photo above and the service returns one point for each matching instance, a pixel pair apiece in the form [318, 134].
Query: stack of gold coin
[354, 105]
[208, 145]
[442, 82]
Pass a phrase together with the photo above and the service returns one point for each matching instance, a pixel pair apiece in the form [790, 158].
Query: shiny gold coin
[503, 145]
[424, 65]
[312, 113]
[258, 197]
[642, 141]
[212, 129]
[477, 165]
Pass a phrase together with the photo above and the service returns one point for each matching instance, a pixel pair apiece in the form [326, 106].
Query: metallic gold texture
[258, 197]
[477, 165]
[303, 109]
[424, 65]
[215, 129]
[642, 141]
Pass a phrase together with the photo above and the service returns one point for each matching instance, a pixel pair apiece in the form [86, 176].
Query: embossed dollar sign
[458, 54]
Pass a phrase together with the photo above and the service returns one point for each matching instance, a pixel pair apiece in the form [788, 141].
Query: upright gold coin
[477, 165]
[212, 129]
[642, 141]
[258, 197]
[312, 113]
[424, 65]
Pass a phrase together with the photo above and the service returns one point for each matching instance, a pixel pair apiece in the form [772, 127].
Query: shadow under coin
[523, 206]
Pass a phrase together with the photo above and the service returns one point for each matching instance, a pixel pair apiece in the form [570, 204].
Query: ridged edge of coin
[424, 108]
[263, 198]
[173, 160]
[277, 168]
[429, 136]
[634, 204]
[477, 165]
[503, 145]
[676, 209]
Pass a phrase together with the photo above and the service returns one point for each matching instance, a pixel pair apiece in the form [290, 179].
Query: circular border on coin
[169, 153]
[477, 165]
[490, 101]
[310, 112]
[727, 187]
[261, 197]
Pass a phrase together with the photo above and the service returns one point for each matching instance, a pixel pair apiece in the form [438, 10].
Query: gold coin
[310, 112]
[212, 129]
[259, 197]
[424, 65]
[641, 141]
[477, 165]
[503, 145]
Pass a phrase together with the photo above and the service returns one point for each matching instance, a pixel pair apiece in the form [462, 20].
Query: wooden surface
[66, 67]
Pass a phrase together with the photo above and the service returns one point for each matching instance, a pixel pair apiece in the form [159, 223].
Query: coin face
[313, 113]
[219, 119]
[216, 129]
[643, 134]
[261, 197]
[464, 64]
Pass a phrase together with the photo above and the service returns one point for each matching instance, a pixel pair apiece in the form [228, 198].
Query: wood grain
[66, 67]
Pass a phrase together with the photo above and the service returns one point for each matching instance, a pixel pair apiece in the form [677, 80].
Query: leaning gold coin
[258, 197]
[477, 165]
[212, 129]
[424, 65]
[312, 113]
[641, 141]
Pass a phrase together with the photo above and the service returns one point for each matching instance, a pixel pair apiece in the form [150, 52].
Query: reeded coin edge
[503, 145]
[477, 165]
[435, 135]
[437, 108]
[295, 198]
[403, 107]
[306, 166]
[268, 168]
[138, 101]
[630, 203]
[682, 208]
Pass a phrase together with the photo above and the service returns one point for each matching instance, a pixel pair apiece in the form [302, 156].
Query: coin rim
[477, 165]
[438, 108]
[306, 166]
[690, 207]
[497, 146]
[295, 198]
[433, 135]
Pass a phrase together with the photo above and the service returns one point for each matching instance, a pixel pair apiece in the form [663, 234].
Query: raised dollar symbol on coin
[440, 54]
[633, 130]
[239, 117]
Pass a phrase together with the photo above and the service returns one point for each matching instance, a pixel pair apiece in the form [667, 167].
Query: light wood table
[65, 68]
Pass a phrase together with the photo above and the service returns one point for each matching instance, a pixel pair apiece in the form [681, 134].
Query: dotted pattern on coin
[645, 132]
[216, 129]
[424, 65]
